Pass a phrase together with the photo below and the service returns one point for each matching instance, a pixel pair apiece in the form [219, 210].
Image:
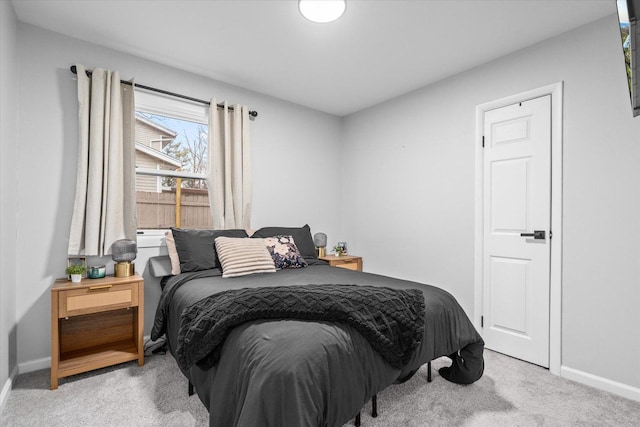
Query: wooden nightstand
[349, 262]
[95, 323]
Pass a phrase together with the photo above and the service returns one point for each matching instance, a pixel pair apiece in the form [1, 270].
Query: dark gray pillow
[196, 248]
[301, 235]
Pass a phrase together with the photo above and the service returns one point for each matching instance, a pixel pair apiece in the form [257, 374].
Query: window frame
[168, 106]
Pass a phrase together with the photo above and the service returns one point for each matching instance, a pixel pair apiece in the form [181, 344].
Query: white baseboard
[601, 383]
[34, 365]
[6, 389]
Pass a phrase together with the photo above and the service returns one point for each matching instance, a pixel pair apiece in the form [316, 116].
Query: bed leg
[429, 372]
[190, 389]
[374, 406]
[374, 410]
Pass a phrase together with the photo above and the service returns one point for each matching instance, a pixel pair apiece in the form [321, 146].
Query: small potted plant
[338, 249]
[76, 272]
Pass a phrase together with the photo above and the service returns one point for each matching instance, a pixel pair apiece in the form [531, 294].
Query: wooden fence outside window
[160, 210]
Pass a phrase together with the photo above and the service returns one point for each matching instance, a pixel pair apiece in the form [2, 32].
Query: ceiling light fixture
[322, 11]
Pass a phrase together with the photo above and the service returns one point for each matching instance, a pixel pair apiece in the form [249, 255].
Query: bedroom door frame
[555, 296]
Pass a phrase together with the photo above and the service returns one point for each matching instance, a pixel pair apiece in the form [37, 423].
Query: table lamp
[123, 253]
[320, 241]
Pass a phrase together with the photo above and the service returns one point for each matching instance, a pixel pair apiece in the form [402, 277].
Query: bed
[298, 370]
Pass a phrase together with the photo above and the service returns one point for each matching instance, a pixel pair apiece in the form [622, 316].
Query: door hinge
[482, 141]
[482, 321]
[550, 234]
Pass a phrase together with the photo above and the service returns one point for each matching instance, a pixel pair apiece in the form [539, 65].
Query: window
[171, 161]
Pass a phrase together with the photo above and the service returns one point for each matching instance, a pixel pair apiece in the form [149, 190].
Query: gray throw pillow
[196, 248]
[301, 235]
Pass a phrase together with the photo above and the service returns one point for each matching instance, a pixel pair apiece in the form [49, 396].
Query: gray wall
[293, 150]
[8, 189]
[412, 162]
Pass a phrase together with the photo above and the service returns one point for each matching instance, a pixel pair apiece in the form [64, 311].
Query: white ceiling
[378, 50]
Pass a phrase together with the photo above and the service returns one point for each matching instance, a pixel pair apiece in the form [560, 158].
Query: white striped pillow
[243, 256]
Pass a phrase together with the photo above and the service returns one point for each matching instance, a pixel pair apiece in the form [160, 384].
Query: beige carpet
[511, 393]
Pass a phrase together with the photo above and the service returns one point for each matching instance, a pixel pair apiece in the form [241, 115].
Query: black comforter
[275, 372]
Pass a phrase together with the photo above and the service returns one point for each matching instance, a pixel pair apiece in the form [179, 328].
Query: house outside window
[151, 140]
[171, 158]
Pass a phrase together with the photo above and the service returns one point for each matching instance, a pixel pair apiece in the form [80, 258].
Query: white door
[516, 229]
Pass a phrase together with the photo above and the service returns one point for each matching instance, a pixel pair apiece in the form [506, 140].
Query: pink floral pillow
[284, 252]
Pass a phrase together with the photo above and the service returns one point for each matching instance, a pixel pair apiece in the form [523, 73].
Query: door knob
[537, 234]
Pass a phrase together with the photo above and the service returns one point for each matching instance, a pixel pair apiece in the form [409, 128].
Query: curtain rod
[165, 92]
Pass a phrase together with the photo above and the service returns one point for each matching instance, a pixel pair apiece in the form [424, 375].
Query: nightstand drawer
[98, 298]
[349, 262]
[349, 265]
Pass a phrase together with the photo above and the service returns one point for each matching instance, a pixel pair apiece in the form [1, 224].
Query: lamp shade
[320, 240]
[124, 250]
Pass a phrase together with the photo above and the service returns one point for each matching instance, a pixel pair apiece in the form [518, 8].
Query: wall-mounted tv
[630, 34]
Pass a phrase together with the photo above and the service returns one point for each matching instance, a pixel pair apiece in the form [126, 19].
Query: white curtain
[104, 208]
[229, 166]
